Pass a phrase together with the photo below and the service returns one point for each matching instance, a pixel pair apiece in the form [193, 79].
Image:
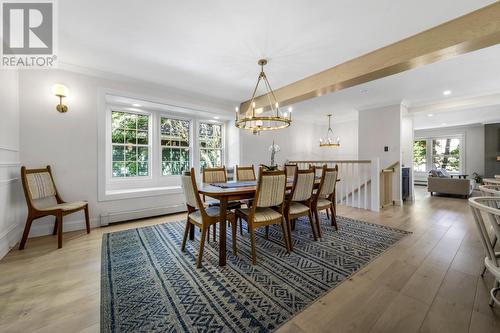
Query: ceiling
[211, 47]
[472, 74]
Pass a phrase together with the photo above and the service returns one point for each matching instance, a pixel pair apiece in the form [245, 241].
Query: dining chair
[214, 176]
[484, 206]
[324, 197]
[299, 201]
[491, 191]
[268, 206]
[43, 199]
[290, 170]
[245, 173]
[201, 216]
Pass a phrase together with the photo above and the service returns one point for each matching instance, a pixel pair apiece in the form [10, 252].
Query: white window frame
[223, 133]
[116, 188]
[192, 146]
[429, 155]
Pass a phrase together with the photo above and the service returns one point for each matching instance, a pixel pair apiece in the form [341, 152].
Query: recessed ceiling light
[290, 109]
[136, 105]
[216, 117]
[430, 115]
[447, 92]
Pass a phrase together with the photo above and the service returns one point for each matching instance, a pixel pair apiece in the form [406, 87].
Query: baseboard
[44, 228]
[113, 217]
[9, 239]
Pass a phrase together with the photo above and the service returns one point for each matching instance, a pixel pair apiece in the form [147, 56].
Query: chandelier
[266, 118]
[330, 140]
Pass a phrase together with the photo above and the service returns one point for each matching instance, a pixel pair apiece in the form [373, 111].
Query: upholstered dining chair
[214, 176]
[491, 191]
[324, 198]
[290, 170]
[201, 217]
[484, 207]
[245, 173]
[299, 201]
[267, 208]
[43, 199]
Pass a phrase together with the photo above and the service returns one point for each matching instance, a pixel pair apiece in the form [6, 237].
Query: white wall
[300, 141]
[69, 141]
[407, 139]
[380, 127]
[474, 144]
[11, 199]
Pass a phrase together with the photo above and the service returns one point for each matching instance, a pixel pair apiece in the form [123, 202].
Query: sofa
[439, 181]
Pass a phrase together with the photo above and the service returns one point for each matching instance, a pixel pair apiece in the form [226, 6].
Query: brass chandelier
[330, 140]
[266, 118]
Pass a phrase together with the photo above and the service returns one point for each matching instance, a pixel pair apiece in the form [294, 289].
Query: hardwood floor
[428, 282]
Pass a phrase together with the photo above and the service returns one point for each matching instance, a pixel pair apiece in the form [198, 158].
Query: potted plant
[274, 148]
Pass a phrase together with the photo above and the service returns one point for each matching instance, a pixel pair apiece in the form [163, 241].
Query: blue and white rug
[149, 285]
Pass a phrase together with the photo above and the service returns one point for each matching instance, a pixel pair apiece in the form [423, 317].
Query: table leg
[222, 231]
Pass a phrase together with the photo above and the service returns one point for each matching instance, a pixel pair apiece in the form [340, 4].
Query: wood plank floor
[429, 282]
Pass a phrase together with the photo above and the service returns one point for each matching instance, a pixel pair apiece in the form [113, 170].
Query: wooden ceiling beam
[471, 32]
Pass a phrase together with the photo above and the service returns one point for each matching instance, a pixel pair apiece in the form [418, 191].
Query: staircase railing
[387, 179]
[358, 184]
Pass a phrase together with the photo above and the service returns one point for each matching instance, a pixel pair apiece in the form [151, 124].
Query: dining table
[232, 191]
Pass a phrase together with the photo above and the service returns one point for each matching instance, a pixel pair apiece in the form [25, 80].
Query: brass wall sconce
[61, 91]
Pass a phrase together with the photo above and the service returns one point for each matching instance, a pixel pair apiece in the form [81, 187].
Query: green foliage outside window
[210, 141]
[420, 155]
[130, 144]
[175, 146]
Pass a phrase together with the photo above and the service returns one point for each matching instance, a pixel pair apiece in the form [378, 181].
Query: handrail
[331, 161]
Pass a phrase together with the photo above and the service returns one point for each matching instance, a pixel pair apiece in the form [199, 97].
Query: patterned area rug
[149, 285]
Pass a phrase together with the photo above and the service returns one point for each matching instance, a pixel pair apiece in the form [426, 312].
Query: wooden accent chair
[299, 201]
[268, 206]
[43, 199]
[489, 207]
[324, 198]
[201, 217]
[245, 173]
[214, 176]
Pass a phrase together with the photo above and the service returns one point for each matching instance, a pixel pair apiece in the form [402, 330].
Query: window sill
[140, 192]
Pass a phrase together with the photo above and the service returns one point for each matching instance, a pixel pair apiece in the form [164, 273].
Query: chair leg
[184, 238]
[289, 231]
[234, 233]
[204, 231]
[318, 224]
[285, 235]
[54, 231]
[87, 219]
[26, 232]
[191, 231]
[292, 222]
[252, 242]
[59, 230]
[241, 225]
[267, 232]
[334, 219]
[214, 232]
[496, 284]
[327, 214]
[313, 228]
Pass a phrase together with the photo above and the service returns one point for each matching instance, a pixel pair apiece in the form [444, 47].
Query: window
[446, 154]
[438, 153]
[420, 155]
[130, 144]
[175, 146]
[142, 151]
[210, 143]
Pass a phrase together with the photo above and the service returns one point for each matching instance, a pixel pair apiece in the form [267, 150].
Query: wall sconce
[61, 91]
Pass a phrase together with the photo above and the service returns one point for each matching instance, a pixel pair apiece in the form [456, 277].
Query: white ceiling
[472, 74]
[211, 47]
